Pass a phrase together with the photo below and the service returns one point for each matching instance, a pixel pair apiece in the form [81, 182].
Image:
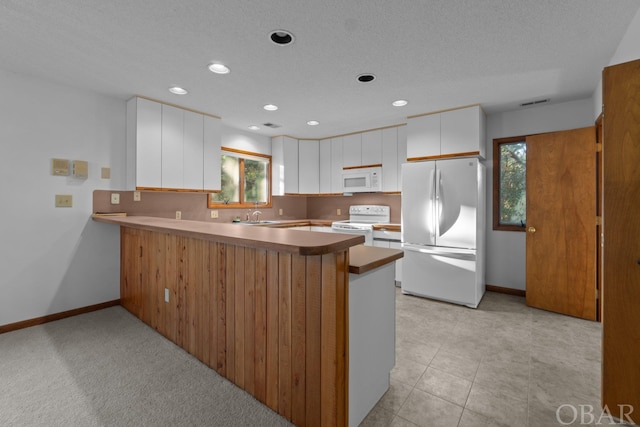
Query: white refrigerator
[443, 230]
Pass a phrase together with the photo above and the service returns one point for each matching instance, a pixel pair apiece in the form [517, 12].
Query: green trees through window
[245, 180]
[510, 184]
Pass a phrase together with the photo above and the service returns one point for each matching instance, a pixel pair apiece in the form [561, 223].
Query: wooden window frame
[496, 183]
[216, 204]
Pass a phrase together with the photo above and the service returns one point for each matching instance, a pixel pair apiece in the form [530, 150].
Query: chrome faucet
[256, 213]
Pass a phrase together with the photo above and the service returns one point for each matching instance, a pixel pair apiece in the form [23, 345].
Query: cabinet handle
[531, 230]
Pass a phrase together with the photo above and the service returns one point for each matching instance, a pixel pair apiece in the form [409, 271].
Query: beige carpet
[107, 368]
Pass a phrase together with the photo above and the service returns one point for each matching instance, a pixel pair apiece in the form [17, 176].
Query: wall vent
[271, 125]
[530, 103]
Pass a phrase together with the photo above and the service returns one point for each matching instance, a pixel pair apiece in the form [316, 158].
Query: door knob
[531, 230]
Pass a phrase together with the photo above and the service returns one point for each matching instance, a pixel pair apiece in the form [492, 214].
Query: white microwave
[362, 180]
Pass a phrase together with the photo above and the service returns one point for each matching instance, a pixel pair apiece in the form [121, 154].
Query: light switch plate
[115, 198]
[280, 211]
[136, 196]
[64, 200]
[178, 215]
[339, 212]
[214, 214]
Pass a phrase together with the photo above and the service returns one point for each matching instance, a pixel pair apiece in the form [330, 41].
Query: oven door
[346, 228]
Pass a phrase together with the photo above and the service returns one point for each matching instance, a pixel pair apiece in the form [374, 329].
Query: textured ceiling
[436, 54]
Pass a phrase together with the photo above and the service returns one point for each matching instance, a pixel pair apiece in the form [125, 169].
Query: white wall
[506, 249]
[245, 140]
[628, 50]
[55, 259]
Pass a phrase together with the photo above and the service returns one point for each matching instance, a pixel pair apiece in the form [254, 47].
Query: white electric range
[361, 220]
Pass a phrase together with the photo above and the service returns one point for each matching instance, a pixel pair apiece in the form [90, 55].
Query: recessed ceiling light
[270, 107]
[178, 90]
[399, 103]
[281, 37]
[219, 68]
[313, 123]
[366, 78]
[254, 127]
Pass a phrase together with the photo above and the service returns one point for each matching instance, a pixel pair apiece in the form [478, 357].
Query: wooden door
[621, 245]
[561, 220]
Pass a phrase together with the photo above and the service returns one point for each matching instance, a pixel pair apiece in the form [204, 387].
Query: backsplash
[193, 206]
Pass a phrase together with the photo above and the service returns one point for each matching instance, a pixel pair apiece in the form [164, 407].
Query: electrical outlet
[280, 211]
[214, 214]
[178, 215]
[115, 198]
[166, 294]
[136, 196]
[339, 212]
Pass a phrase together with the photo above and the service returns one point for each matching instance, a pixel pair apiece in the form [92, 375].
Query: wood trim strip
[508, 291]
[443, 156]
[10, 327]
[343, 134]
[378, 165]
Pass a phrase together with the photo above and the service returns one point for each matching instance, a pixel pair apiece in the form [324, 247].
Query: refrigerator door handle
[441, 203]
[433, 195]
[462, 254]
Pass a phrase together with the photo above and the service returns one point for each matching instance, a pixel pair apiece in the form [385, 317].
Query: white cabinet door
[212, 170]
[402, 152]
[277, 166]
[144, 119]
[192, 148]
[325, 166]
[462, 131]
[290, 156]
[336, 165]
[309, 166]
[423, 136]
[352, 150]
[172, 141]
[390, 163]
[372, 148]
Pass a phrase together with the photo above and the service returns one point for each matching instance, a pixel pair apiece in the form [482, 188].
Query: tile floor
[503, 364]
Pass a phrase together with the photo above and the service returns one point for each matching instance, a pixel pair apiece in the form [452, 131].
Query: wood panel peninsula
[303, 321]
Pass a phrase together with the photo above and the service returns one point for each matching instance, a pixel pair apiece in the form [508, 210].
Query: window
[510, 184]
[245, 180]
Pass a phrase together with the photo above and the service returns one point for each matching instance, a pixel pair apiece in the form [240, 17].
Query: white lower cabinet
[390, 239]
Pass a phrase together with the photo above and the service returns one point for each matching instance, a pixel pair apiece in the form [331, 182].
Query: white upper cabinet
[352, 150]
[463, 132]
[394, 153]
[423, 136]
[211, 161]
[309, 166]
[459, 132]
[144, 152]
[193, 151]
[325, 167]
[171, 148]
[277, 166]
[291, 161]
[336, 165]
[402, 153]
[371, 148]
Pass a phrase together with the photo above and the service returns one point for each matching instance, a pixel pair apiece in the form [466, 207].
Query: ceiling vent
[271, 125]
[530, 103]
